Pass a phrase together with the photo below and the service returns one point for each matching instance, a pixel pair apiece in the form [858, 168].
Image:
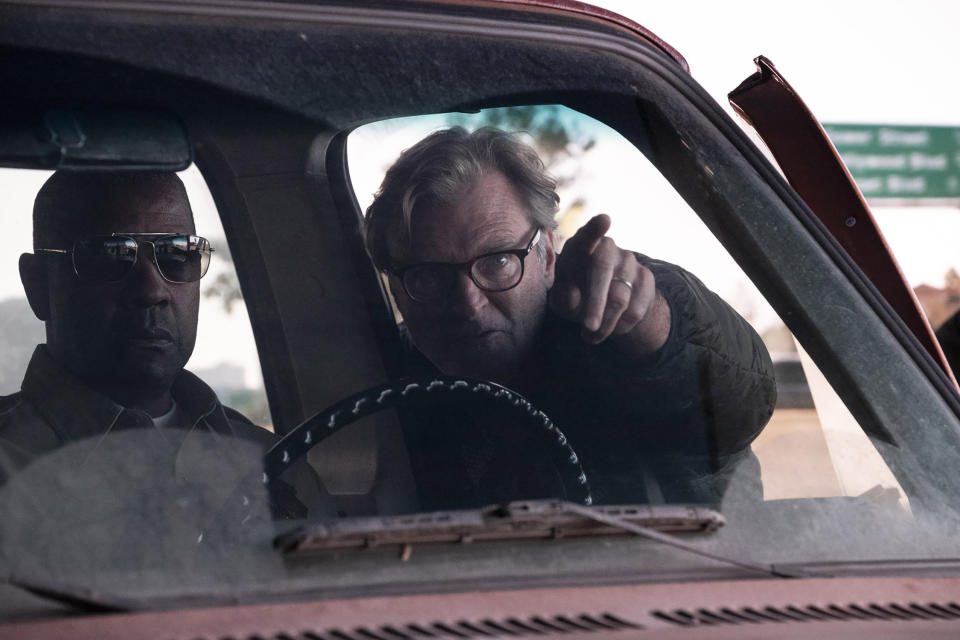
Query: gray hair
[441, 167]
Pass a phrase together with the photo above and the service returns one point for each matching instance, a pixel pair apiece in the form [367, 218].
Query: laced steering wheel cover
[300, 440]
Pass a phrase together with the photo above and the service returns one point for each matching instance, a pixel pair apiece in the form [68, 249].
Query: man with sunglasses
[115, 278]
[658, 383]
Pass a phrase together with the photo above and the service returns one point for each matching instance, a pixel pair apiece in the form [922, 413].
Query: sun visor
[57, 138]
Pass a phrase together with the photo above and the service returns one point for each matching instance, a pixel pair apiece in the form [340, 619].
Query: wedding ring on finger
[622, 281]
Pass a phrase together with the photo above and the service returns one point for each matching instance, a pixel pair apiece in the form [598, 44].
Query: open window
[225, 355]
[812, 445]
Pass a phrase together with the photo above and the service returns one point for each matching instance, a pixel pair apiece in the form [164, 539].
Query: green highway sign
[900, 162]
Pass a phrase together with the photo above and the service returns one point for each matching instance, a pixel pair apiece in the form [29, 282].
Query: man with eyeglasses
[115, 278]
[658, 383]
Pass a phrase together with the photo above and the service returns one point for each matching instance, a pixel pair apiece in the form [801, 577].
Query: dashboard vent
[463, 629]
[809, 613]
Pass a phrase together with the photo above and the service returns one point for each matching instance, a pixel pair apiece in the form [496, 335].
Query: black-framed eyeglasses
[496, 271]
[179, 257]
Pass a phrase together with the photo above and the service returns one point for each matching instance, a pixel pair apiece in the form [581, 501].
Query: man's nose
[145, 286]
[466, 297]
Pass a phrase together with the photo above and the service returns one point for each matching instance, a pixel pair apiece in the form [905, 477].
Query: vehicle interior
[282, 120]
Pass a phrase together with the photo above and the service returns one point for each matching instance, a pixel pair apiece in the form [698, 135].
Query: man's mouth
[149, 336]
[475, 336]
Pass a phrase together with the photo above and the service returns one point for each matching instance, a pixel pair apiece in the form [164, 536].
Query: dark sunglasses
[109, 258]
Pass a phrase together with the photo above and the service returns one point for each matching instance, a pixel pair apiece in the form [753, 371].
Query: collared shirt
[54, 408]
[115, 490]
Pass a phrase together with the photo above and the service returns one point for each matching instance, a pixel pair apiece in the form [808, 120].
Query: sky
[876, 61]
[852, 61]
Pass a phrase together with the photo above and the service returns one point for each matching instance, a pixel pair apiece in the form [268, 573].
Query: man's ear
[549, 258]
[33, 274]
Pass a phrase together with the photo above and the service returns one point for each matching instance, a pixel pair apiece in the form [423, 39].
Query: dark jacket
[668, 427]
[53, 408]
[104, 486]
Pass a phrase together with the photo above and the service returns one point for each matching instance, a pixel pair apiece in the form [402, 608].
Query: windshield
[518, 305]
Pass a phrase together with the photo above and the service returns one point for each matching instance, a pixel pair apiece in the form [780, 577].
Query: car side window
[225, 355]
[811, 446]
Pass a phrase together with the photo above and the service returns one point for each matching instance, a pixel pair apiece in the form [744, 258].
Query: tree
[555, 132]
[561, 139]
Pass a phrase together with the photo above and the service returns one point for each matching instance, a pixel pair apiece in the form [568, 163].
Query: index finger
[587, 237]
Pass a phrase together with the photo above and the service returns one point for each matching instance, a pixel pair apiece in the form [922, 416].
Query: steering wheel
[314, 430]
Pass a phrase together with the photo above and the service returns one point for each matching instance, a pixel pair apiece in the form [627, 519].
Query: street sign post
[903, 165]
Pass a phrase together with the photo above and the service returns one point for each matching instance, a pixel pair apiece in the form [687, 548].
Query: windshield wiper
[80, 599]
[673, 541]
[532, 519]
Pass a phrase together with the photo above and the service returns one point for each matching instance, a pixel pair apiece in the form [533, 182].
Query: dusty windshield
[552, 321]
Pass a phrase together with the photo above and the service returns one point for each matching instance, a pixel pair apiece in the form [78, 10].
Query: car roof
[583, 8]
[299, 56]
